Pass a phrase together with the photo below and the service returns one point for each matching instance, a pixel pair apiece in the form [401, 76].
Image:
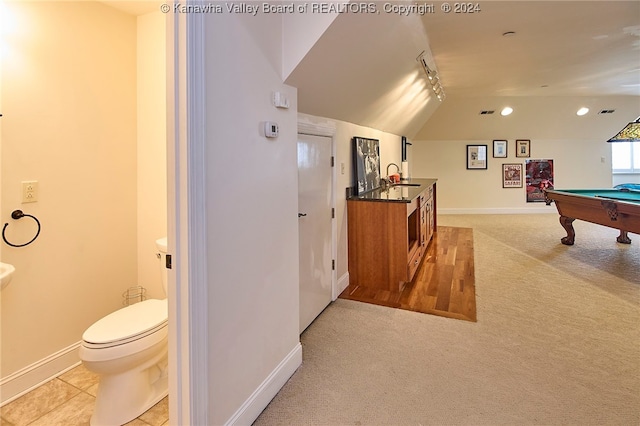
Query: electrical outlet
[29, 191]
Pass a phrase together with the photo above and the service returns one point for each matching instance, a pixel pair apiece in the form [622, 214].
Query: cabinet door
[424, 238]
[430, 220]
[414, 262]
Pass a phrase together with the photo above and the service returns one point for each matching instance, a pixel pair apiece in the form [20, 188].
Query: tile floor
[68, 401]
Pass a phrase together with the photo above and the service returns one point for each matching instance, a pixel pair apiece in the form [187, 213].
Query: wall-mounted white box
[280, 100]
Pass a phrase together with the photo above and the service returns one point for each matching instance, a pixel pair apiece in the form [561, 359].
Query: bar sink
[6, 271]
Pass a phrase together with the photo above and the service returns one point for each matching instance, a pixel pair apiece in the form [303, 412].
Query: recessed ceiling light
[506, 111]
[582, 111]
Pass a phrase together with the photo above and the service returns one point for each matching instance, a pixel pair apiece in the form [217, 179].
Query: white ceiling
[560, 48]
[363, 69]
[134, 7]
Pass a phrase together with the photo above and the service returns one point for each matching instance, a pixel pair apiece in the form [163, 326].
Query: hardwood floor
[444, 284]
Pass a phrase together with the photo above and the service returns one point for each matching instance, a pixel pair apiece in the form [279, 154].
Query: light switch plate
[280, 100]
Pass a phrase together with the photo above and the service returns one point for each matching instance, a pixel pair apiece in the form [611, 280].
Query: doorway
[315, 225]
[109, 169]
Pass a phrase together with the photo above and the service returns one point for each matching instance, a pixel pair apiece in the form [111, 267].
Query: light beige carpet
[557, 341]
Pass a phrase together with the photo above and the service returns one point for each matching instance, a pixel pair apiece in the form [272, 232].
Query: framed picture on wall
[523, 148]
[366, 162]
[499, 149]
[476, 156]
[539, 174]
[512, 175]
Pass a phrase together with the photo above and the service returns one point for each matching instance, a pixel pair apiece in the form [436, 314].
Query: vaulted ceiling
[537, 55]
[364, 70]
[539, 48]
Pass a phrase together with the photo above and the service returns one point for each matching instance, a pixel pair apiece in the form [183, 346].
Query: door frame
[186, 219]
[329, 131]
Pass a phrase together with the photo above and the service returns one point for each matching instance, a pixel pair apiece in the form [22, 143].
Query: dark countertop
[397, 193]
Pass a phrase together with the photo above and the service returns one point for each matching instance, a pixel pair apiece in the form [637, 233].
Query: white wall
[69, 122]
[534, 117]
[477, 191]
[582, 158]
[151, 147]
[252, 226]
[300, 32]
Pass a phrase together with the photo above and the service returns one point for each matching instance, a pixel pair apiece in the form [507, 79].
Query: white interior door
[314, 223]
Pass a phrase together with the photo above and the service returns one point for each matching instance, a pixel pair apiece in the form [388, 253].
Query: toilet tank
[161, 244]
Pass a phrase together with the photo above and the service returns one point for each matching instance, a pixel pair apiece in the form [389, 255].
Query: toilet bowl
[128, 350]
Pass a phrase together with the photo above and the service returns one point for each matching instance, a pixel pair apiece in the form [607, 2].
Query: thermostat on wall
[271, 129]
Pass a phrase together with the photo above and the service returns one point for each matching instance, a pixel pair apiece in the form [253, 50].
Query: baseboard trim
[260, 398]
[25, 380]
[343, 282]
[540, 209]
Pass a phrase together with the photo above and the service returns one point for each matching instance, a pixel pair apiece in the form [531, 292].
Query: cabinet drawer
[426, 195]
[414, 262]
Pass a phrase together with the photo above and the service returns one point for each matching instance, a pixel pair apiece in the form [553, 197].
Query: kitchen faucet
[397, 168]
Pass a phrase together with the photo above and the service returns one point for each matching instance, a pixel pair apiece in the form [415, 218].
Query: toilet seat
[127, 324]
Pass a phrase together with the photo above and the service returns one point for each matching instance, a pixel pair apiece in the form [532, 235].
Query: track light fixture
[433, 77]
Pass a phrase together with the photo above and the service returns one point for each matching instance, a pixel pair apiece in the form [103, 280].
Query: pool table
[615, 208]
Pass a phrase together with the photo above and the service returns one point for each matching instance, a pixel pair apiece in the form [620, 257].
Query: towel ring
[18, 214]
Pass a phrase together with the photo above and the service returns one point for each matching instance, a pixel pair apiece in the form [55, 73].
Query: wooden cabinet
[427, 214]
[388, 238]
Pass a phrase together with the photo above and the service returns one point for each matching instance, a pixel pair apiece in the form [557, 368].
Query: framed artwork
[476, 157]
[539, 177]
[512, 175]
[366, 162]
[499, 149]
[523, 148]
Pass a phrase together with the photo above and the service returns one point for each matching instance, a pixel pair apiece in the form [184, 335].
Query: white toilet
[128, 349]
